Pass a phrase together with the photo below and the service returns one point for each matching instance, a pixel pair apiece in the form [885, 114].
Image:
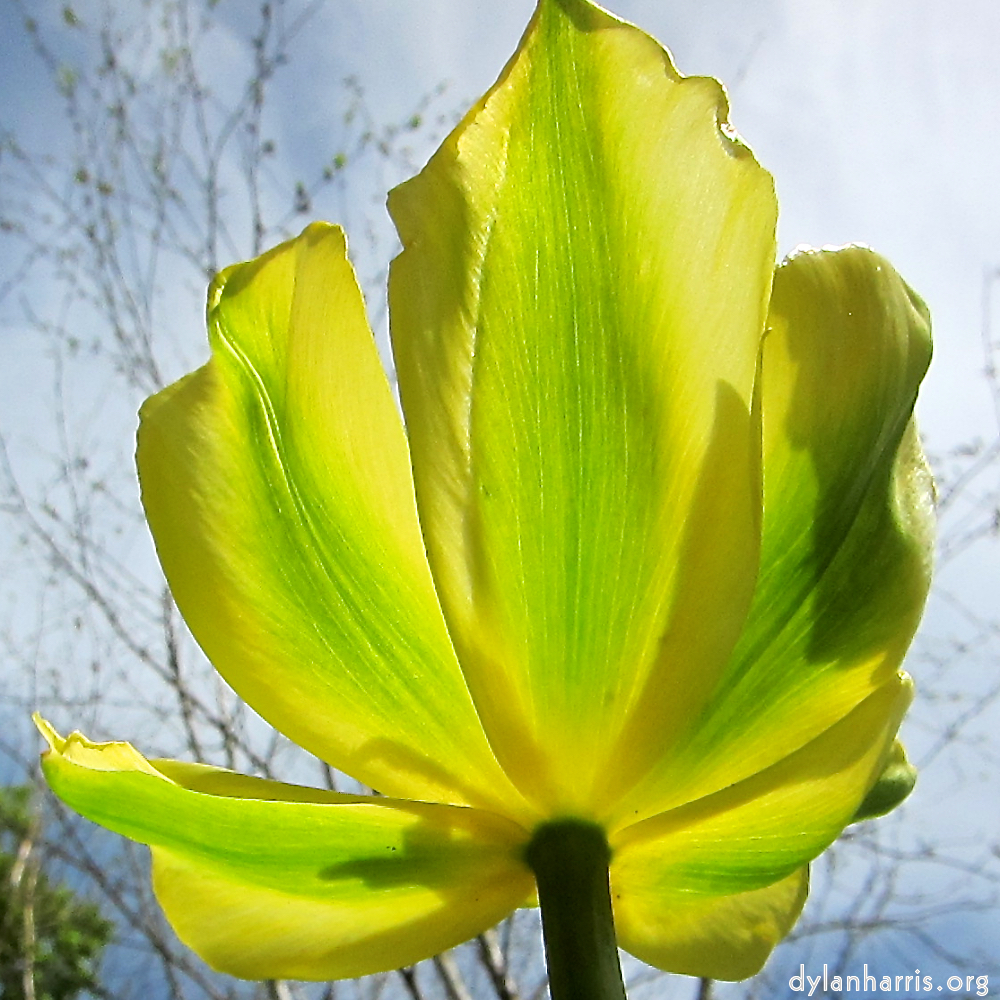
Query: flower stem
[570, 860]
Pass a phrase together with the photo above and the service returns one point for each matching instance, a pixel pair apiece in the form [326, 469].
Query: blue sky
[875, 116]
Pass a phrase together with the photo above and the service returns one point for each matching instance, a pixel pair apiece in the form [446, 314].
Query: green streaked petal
[266, 880]
[751, 835]
[720, 937]
[847, 532]
[277, 485]
[576, 318]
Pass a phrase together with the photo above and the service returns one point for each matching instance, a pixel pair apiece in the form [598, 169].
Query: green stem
[570, 860]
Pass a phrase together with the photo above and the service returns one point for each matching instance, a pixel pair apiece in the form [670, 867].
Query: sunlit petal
[276, 482]
[752, 835]
[721, 937]
[848, 522]
[264, 879]
[576, 318]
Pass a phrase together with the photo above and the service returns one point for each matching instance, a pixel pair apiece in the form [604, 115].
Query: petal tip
[78, 750]
[56, 743]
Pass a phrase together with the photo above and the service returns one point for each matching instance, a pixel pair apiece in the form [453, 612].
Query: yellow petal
[576, 318]
[847, 530]
[739, 841]
[276, 482]
[720, 937]
[266, 880]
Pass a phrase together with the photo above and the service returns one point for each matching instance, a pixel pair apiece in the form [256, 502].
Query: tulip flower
[629, 594]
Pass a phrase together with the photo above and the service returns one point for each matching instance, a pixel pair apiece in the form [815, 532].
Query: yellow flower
[647, 557]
